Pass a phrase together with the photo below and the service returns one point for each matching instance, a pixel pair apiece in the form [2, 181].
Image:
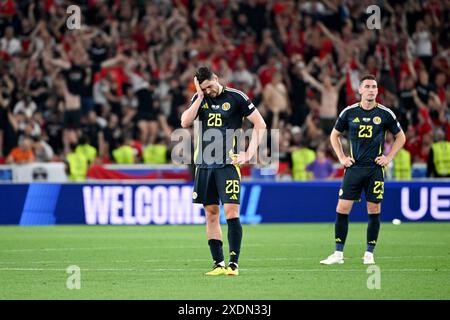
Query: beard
[214, 93]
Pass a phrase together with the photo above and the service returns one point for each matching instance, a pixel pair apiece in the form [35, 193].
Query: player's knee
[231, 213]
[344, 207]
[212, 214]
[373, 208]
[212, 218]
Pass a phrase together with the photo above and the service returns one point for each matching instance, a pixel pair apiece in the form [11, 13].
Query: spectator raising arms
[130, 65]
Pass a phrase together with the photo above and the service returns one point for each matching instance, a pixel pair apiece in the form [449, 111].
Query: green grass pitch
[278, 261]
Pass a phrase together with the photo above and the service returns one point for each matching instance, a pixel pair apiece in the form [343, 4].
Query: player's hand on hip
[240, 158]
[198, 88]
[347, 161]
[382, 160]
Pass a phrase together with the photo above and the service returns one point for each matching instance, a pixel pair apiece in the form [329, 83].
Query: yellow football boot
[232, 270]
[217, 271]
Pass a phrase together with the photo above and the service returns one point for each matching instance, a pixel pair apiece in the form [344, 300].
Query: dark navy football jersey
[367, 131]
[220, 118]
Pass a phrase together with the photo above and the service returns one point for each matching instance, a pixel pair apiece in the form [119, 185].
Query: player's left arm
[400, 139]
[259, 126]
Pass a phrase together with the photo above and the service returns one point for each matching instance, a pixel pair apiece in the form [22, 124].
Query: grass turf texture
[278, 261]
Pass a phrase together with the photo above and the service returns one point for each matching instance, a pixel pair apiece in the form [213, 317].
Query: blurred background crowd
[125, 77]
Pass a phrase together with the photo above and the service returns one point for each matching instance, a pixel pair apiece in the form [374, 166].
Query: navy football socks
[234, 238]
[340, 230]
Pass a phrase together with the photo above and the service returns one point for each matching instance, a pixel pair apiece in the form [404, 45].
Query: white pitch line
[357, 270]
[295, 259]
[202, 260]
[61, 249]
[409, 257]
[98, 248]
[99, 269]
[62, 269]
[324, 269]
[165, 247]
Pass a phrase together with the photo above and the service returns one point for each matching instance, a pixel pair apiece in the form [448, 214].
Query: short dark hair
[367, 77]
[203, 73]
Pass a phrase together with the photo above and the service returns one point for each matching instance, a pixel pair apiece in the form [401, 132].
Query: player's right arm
[190, 113]
[340, 126]
[337, 147]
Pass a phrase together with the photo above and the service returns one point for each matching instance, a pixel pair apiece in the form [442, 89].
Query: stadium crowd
[126, 76]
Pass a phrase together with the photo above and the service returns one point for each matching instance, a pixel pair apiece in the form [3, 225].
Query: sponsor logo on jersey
[215, 106]
[226, 106]
[366, 119]
[377, 120]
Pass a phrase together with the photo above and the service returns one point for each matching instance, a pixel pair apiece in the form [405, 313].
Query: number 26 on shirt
[214, 120]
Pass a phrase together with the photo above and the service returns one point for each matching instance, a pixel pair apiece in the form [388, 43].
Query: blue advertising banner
[266, 202]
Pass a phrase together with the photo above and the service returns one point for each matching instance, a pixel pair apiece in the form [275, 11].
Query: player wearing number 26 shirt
[220, 111]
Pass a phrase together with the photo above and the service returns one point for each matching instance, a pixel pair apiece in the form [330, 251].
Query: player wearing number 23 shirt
[366, 124]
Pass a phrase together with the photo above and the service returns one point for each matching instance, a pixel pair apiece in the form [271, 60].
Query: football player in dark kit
[366, 123]
[221, 111]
